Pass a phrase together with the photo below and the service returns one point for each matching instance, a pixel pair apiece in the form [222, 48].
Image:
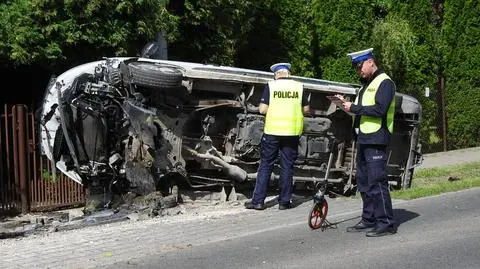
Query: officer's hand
[346, 106]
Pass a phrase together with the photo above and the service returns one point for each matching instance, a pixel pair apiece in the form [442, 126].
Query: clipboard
[336, 100]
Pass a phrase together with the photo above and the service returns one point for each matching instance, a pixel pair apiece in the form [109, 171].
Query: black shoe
[360, 227]
[285, 206]
[381, 231]
[249, 205]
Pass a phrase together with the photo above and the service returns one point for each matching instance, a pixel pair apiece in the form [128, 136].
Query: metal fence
[26, 180]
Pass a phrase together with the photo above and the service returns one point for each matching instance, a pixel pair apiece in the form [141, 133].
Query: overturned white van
[140, 124]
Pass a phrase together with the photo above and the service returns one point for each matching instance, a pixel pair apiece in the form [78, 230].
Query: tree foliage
[296, 35]
[420, 64]
[212, 30]
[342, 26]
[52, 31]
[394, 41]
[413, 42]
[461, 32]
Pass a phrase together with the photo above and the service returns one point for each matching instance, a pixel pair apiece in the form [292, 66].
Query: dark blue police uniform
[372, 157]
[271, 146]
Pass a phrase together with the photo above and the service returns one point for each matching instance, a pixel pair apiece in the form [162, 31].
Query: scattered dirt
[186, 205]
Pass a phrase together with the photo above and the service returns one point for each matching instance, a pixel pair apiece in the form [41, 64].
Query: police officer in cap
[283, 102]
[374, 109]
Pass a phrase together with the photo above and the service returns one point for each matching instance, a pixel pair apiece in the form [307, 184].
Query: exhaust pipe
[241, 175]
[232, 171]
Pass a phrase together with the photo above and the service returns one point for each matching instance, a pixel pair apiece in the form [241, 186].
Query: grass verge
[433, 181]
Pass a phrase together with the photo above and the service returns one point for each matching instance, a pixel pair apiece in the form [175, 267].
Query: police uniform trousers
[270, 147]
[372, 183]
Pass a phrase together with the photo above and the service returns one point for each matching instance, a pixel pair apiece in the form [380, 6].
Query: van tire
[156, 76]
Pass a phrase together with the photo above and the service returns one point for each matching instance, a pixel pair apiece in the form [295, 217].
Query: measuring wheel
[318, 213]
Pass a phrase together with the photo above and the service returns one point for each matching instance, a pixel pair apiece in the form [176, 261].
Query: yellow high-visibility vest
[285, 113]
[369, 124]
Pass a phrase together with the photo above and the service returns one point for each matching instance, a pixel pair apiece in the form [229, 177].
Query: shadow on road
[334, 225]
[403, 215]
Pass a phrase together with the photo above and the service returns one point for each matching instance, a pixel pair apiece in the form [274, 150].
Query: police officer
[283, 102]
[374, 109]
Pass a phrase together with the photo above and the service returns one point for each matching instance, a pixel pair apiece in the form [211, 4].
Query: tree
[343, 26]
[413, 58]
[58, 33]
[394, 42]
[460, 33]
[212, 30]
[251, 34]
[295, 34]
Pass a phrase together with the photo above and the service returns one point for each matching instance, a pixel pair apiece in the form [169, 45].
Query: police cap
[362, 55]
[279, 66]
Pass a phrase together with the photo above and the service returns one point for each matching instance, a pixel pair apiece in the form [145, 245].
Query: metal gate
[26, 180]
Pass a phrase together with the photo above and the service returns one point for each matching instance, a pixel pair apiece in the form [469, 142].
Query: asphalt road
[435, 232]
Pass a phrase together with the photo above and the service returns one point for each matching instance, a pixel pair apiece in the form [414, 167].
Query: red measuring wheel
[318, 213]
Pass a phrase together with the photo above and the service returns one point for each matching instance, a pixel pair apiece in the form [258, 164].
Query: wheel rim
[318, 213]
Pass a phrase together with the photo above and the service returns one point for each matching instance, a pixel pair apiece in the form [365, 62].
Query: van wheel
[157, 76]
